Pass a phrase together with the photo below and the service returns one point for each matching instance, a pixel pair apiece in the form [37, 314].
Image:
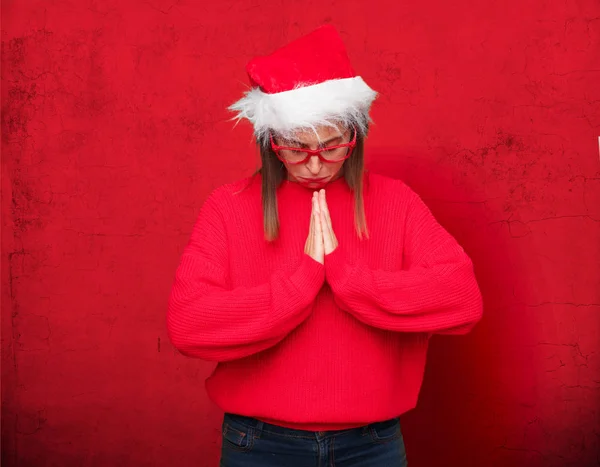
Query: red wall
[114, 131]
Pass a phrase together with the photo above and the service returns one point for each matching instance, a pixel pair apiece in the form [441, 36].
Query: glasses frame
[314, 152]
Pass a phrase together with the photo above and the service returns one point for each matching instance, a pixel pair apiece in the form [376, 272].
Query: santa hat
[307, 83]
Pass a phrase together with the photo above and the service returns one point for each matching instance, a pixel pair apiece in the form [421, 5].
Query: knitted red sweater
[319, 347]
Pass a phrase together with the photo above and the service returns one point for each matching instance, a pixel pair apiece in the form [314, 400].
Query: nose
[314, 165]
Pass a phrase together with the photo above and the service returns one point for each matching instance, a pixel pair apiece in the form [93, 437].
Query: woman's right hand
[314, 243]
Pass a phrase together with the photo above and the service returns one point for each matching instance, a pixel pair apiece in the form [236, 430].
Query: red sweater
[317, 347]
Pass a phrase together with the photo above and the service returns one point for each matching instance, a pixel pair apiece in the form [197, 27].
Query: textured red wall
[114, 131]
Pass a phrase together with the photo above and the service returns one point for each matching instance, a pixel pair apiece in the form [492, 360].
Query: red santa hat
[307, 83]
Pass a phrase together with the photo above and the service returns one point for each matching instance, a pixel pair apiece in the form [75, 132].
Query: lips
[314, 180]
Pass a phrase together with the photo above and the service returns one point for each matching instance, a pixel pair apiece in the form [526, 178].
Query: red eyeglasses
[328, 154]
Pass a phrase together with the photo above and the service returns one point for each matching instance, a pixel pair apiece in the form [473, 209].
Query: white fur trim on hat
[345, 100]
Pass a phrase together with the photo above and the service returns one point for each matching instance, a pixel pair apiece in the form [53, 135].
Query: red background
[115, 129]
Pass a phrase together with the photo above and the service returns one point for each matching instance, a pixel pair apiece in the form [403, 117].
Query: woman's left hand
[329, 239]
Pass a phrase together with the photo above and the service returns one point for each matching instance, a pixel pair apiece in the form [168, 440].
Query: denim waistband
[259, 426]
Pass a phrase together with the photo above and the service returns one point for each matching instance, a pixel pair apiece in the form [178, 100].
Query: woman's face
[315, 173]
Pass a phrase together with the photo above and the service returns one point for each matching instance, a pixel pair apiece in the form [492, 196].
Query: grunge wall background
[115, 129]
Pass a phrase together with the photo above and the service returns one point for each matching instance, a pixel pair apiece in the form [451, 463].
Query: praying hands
[321, 239]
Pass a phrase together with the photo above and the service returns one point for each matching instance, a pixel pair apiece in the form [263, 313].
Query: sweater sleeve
[210, 320]
[435, 292]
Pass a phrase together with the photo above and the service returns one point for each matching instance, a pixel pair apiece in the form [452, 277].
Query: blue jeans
[248, 442]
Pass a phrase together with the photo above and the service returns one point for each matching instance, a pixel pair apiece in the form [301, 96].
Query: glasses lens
[292, 156]
[334, 154]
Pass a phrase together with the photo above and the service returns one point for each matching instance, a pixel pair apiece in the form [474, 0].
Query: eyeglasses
[327, 154]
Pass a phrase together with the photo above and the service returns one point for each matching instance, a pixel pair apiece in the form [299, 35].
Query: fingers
[325, 210]
[312, 220]
[315, 242]
[317, 239]
[325, 223]
[317, 227]
[329, 239]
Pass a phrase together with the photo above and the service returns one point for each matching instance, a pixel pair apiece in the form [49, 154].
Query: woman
[315, 286]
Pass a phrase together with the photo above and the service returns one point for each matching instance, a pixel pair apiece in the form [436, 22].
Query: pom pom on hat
[307, 83]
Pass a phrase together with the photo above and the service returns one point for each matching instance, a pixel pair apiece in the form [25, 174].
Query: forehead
[310, 136]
